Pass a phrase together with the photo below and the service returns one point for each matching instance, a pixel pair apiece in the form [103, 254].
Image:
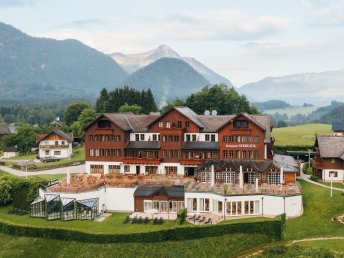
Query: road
[56, 171]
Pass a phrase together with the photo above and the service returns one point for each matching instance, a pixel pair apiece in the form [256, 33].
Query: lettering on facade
[240, 146]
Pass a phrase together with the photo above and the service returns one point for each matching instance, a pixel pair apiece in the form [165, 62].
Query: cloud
[83, 24]
[325, 13]
[13, 3]
[121, 34]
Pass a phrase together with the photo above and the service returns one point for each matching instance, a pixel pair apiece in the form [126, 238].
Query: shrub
[126, 220]
[140, 220]
[272, 229]
[275, 250]
[314, 178]
[182, 214]
[155, 221]
[134, 220]
[146, 221]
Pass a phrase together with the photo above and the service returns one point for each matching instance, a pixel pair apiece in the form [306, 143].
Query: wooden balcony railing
[135, 160]
[53, 146]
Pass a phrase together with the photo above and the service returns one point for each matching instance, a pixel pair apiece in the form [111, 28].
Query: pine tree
[102, 102]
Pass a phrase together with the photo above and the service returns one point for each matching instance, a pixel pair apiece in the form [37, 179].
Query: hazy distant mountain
[134, 62]
[315, 88]
[168, 78]
[39, 70]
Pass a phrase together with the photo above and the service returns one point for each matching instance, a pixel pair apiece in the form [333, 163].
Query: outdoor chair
[201, 220]
[193, 217]
[208, 221]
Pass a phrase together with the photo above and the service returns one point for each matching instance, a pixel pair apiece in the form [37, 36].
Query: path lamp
[284, 204]
[262, 206]
[224, 210]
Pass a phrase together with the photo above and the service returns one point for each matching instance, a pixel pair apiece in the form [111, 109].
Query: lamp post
[309, 157]
[284, 204]
[224, 210]
[262, 206]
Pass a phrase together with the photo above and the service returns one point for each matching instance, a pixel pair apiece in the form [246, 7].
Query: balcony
[53, 146]
[192, 161]
[136, 160]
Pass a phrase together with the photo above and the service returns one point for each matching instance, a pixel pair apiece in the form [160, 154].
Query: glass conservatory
[87, 209]
[52, 207]
[68, 209]
[38, 208]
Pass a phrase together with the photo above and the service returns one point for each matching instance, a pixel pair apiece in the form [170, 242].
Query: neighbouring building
[329, 161]
[7, 129]
[10, 152]
[174, 143]
[338, 128]
[56, 144]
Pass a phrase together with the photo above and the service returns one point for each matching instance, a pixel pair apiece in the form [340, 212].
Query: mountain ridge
[133, 62]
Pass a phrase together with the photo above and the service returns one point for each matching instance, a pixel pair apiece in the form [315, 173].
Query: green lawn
[334, 245]
[226, 246]
[335, 184]
[299, 135]
[113, 224]
[29, 156]
[319, 210]
[33, 178]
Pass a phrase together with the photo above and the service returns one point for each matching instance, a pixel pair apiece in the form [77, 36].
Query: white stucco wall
[326, 175]
[268, 206]
[65, 152]
[114, 198]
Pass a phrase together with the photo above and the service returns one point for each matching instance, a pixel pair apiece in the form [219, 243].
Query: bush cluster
[272, 229]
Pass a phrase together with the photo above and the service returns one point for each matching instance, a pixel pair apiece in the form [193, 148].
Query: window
[168, 124]
[244, 154]
[97, 169]
[213, 137]
[240, 124]
[256, 138]
[170, 170]
[155, 137]
[102, 152]
[151, 170]
[176, 138]
[126, 169]
[104, 124]
[207, 137]
[204, 204]
[187, 124]
[237, 154]
[205, 177]
[273, 178]
[46, 152]
[225, 154]
[114, 168]
[91, 152]
[161, 124]
[194, 137]
[63, 142]
[244, 139]
[173, 206]
[117, 138]
[231, 154]
[165, 153]
[148, 205]
[188, 137]
[108, 152]
[333, 161]
[255, 154]
[97, 152]
[137, 137]
[333, 174]
[192, 204]
[56, 143]
[142, 137]
[179, 124]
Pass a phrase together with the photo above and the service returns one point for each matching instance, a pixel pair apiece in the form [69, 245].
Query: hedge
[272, 229]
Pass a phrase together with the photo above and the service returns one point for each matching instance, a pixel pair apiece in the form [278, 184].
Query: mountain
[315, 88]
[134, 62]
[168, 78]
[40, 70]
[271, 104]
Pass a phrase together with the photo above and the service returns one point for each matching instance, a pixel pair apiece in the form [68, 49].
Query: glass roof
[50, 197]
[89, 203]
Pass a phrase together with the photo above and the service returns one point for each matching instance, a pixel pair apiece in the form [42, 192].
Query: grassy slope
[224, 246]
[299, 135]
[48, 177]
[319, 210]
[335, 245]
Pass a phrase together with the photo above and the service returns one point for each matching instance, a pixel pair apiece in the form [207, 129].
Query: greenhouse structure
[53, 207]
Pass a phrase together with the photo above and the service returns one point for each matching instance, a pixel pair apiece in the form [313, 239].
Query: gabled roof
[331, 146]
[6, 129]
[185, 111]
[338, 126]
[174, 191]
[66, 136]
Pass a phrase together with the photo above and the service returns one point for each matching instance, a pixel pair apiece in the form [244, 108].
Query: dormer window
[240, 124]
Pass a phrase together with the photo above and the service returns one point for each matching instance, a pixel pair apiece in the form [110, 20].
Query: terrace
[85, 182]
[247, 189]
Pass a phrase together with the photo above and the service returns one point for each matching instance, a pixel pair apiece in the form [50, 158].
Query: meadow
[300, 134]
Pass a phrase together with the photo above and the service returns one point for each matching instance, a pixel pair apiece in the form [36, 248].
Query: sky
[243, 40]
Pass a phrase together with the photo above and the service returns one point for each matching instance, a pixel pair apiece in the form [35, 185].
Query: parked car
[49, 159]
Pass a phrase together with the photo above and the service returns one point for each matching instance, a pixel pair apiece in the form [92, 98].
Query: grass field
[33, 178]
[334, 184]
[225, 246]
[334, 245]
[300, 134]
[319, 210]
[29, 156]
[292, 111]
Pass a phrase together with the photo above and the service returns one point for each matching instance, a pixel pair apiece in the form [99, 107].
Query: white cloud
[325, 13]
[14, 3]
[120, 34]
